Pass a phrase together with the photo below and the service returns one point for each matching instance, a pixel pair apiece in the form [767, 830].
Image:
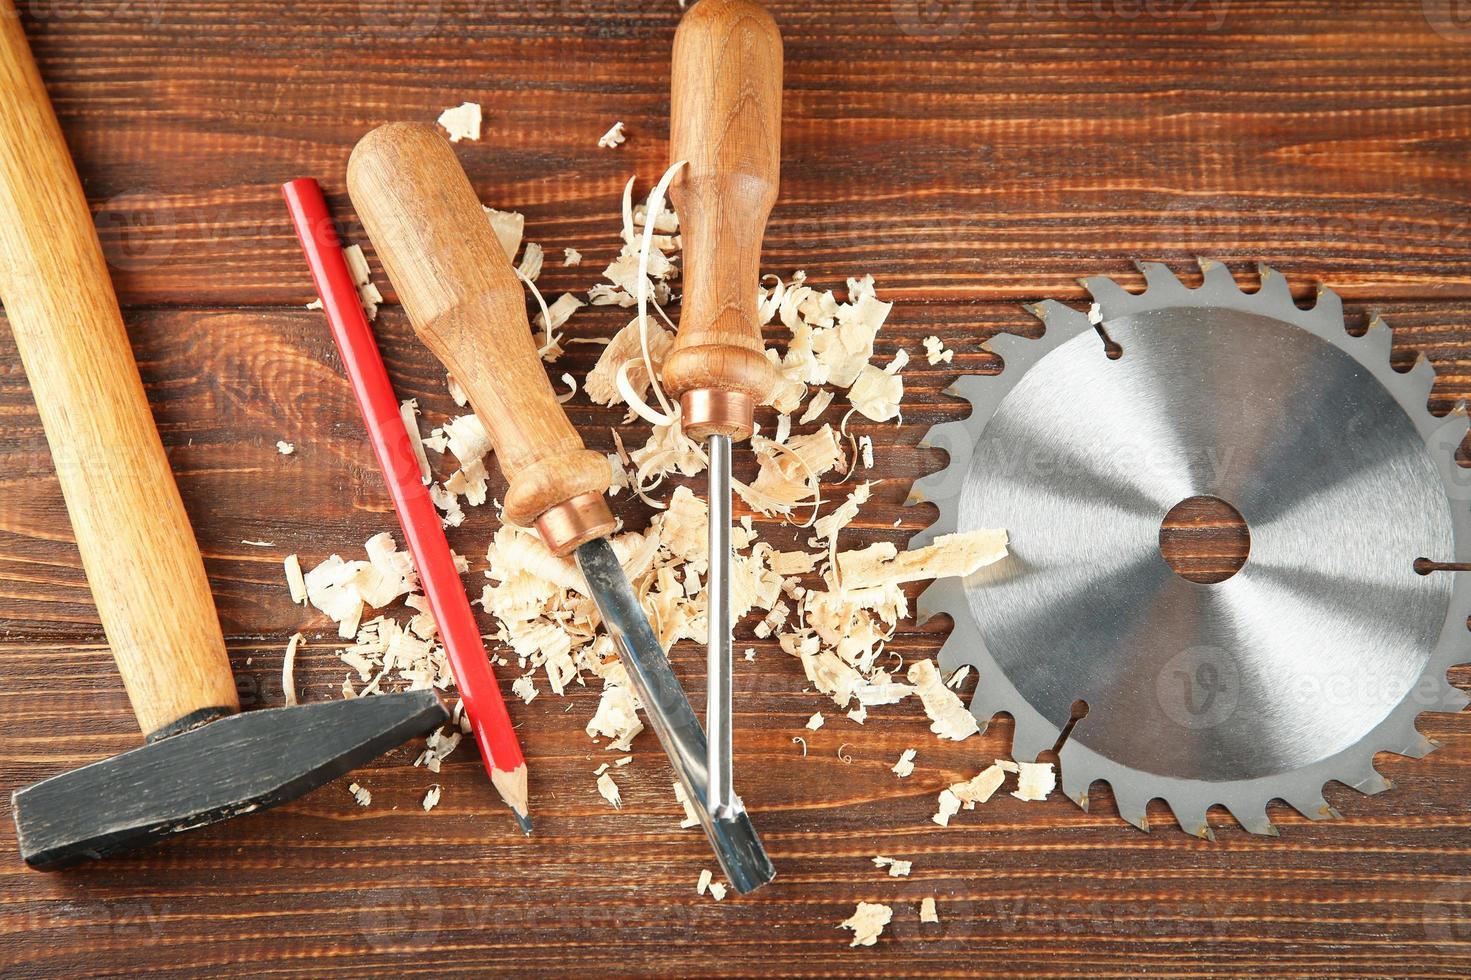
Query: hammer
[203, 761]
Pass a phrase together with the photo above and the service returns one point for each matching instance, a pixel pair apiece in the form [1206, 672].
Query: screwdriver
[465, 304]
[725, 124]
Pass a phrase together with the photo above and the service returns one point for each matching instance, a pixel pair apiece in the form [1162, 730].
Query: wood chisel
[204, 761]
[464, 301]
[725, 126]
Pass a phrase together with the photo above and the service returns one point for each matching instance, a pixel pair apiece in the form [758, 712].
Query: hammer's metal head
[242, 763]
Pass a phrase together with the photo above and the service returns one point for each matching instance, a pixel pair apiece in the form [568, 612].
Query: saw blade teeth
[1454, 699]
[1075, 786]
[1008, 345]
[1370, 782]
[1312, 805]
[944, 595]
[1378, 339]
[1030, 739]
[1190, 815]
[1274, 291]
[1158, 277]
[1105, 291]
[1421, 378]
[1328, 307]
[1253, 818]
[1217, 276]
[1133, 809]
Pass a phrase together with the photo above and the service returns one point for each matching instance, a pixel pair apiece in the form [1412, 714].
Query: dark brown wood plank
[324, 887]
[964, 149]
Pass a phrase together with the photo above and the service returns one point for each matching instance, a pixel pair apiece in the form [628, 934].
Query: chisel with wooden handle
[136, 544]
[464, 301]
[725, 108]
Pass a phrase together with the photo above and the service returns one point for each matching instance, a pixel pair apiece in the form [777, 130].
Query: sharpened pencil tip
[525, 821]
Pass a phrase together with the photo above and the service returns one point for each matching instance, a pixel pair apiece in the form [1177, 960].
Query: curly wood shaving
[1035, 781]
[509, 228]
[626, 347]
[288, 669]
[408, 410]
[948, 716]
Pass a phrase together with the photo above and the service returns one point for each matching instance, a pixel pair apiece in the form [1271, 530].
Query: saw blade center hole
[1204, 539]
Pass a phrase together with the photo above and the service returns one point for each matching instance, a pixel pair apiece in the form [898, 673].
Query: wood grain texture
[966, 170]
[725, 126]
[130, 524]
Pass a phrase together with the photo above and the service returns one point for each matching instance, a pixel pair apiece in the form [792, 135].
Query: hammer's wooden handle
[725, 120]
[137, 548]
[465, 303]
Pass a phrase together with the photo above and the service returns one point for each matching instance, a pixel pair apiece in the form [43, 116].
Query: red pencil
[479, 692]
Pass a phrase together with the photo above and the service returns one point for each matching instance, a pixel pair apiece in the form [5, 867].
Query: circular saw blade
[1319, 652]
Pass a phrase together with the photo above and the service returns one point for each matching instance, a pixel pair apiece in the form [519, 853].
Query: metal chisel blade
[739, 850]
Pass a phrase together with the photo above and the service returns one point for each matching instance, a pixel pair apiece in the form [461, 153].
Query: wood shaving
[431, 798]
[949, 807]
[509, 228]
[803, 741]
[571, 257]
[613, 137]
[935, 351]
[1034, 781]
[897, 868]
[957, 679]
[905, 766]
[691, 819]
[368, 294]
[980, 788]
[867, 923]
[927, 911]
[877, 392]
[815, 722]
[882, 564]
[294, 581]
[524, 687]
[408, 410]
[717, 891]
[461, 122]
[284, 448]
[288, 669]
[609, 791]
[361, 794]
[626, 348]
[706, 876]
[948, 716]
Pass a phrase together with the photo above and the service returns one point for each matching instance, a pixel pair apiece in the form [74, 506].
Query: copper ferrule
[718, 411]
[575, 522]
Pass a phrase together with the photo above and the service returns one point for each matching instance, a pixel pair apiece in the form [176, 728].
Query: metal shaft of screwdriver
[723, 802]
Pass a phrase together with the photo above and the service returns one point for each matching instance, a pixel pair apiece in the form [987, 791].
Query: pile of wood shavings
[832, 610]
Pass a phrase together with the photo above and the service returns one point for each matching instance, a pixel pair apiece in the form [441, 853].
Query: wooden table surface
[971, 156]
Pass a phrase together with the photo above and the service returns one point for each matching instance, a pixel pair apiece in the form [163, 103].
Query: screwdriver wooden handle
[726, 123]
[465, 303]
[137, 548]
